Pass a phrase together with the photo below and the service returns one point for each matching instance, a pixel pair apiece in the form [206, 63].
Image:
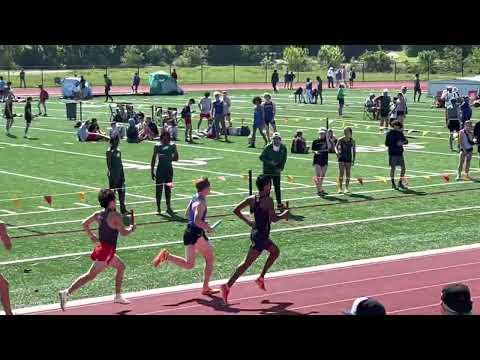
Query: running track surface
[126, 90]
[408, 286]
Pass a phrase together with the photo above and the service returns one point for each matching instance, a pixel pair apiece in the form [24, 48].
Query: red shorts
[204, 116]
[188, 120]
[103, 252]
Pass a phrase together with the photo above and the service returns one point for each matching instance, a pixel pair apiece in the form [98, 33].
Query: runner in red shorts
[4, 286]
[110, 225]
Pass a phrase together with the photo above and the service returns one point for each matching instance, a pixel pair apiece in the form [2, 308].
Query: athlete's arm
[175, 153]
[273, 215]
[197, 219]
[354, 152]
[118, 225]
[4, 236]
[338, 148]
[86, 226]
[238, 211]
[152, 164]
[109, 162]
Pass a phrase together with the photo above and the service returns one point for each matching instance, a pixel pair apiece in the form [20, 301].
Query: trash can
[71, 110]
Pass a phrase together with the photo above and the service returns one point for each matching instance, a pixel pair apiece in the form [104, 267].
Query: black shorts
[417, 90]
[400, 113]
[342, 159]
[453, 125]
[270, 121]
[396, 160]
[341, 102]
[192, 234]
[164, 176]
[260, 240]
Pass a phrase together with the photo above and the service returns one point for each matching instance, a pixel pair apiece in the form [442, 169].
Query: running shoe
[119, 299]
[261, 283]
[161, 257]
[225, 291]
[210, 291]
[347, 191]
[63, 295]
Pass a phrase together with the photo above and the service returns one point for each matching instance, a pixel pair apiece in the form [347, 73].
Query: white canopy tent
[464, 85]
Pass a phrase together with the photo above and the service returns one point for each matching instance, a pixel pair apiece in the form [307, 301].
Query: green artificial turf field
[50, 250]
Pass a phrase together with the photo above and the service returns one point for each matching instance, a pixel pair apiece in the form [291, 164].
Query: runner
[465, 140]
[218, 116]
[116, 176]
[164, 153]
[346, 153]
[187, 119]
[195, 238]
[8, 113]
[205, 106]
[258, 121]
[135, 83]
[384, 101]
[264, 214]
[395, 141]
[417, 89]
[4, 285]
[28, 115]
[108, 87]
[274, 157]
[270, 109]
[42, 100]
[320, 147]
[110, 225]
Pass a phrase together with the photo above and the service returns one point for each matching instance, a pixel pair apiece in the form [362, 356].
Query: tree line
[302, 57]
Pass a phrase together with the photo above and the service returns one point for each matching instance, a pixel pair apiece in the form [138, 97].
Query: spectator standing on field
[42, 100]
[319, 90]
[292, 79]
[285, 79]
[275, 79]
[174, 75]
[341, 99]
[338, 77]
[330, 76]
[108, 87]
[417, 89]
[395, 140]
[135, 83]
[2, 88]
[22, 79]
[352, 76]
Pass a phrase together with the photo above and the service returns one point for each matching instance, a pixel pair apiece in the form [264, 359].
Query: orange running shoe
[161, 257]
[261, 283]
[225, 291]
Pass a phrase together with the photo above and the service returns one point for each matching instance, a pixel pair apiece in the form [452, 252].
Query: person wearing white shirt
[205, 106]
[227, 103]
[330, 75]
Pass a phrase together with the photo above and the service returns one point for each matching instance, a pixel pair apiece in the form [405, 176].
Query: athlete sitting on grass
[195, 238]
[110, 225]
[4, 286]
[264, 214]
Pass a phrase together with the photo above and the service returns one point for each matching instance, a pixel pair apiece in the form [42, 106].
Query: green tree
[132, 56]
[159, 54]
[192, 55]
[330, 55]
[426, 60]
[452, 58]
[474, 59]
[295, 57]
[253, 54]
[376, 61]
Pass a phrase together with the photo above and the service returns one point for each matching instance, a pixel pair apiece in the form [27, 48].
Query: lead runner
[264, 214]
[110, 225]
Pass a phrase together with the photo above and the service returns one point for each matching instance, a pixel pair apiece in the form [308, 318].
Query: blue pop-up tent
[162, 83]
[71, 86]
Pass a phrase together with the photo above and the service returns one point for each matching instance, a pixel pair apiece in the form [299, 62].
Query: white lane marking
[46, 208]
[286, 229]
[82, 205]
[9, 212]
[272, 275]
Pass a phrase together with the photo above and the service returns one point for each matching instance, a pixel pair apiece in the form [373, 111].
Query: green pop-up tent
[162, 83]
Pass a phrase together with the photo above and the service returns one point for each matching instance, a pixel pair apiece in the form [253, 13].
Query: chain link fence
[232, 73]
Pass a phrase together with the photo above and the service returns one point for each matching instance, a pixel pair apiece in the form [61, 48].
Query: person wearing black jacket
[476, 138]
[395, 141]
[275, 80]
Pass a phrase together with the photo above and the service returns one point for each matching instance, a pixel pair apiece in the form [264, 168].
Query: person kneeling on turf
[299, 144]
[395, 141]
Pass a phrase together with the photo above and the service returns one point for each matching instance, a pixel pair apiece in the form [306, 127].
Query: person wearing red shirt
[43, 97]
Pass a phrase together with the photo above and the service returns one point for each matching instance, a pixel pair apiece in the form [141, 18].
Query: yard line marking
[217, 192]
[67, 143]
[272, 275]
[46, 208]
[82, 204]
[47, 144]
[246, 234]
[9, 212]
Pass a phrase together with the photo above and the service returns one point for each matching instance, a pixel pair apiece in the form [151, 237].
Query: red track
[408, 286]
[126, 90]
